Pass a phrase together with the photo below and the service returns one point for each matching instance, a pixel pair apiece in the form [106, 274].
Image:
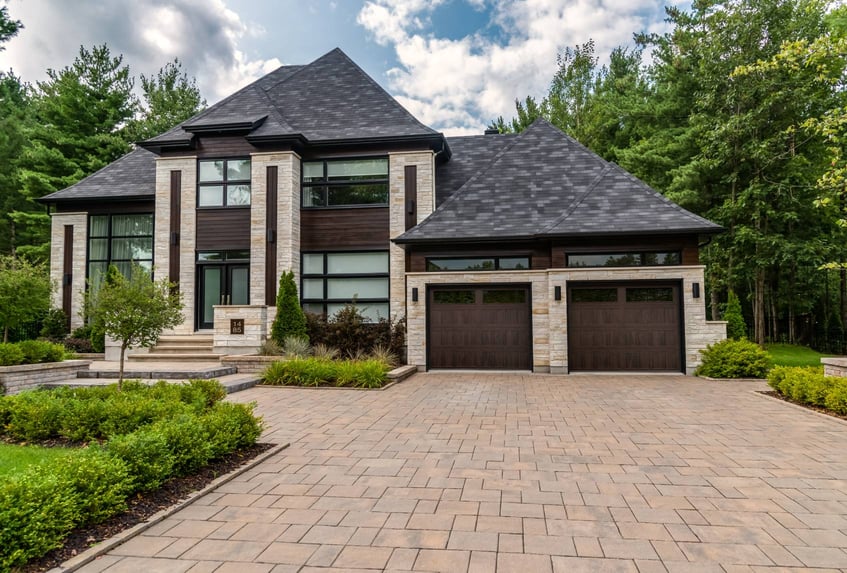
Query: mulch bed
[807, 406]
[141, 507]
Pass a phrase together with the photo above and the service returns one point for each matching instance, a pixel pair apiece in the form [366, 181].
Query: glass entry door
[220, 284]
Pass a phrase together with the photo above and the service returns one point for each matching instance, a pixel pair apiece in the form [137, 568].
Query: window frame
[326, 184]
[325, 276]
[224, 183]
[622, 252]
[496, 258]
[109, 237]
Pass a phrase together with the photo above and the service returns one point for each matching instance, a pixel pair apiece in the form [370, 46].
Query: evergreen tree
[289, 320]
[736, 329]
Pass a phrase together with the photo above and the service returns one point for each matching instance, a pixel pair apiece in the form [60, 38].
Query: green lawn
[792, 355]
[15, 458]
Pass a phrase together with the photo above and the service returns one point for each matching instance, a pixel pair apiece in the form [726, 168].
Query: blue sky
[455, 64]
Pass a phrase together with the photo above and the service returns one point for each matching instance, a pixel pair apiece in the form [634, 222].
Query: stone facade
[549, 316]
[79, 221]
[425, 205]
[16, 379]
[256, 331]
[835, 367]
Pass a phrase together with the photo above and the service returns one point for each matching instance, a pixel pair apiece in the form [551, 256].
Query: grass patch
[15, 458]
[793, 355]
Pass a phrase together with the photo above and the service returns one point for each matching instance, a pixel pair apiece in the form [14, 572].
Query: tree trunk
[716, 311]
[121, 374]
[759, 307]
[6, 334]
[843, 273]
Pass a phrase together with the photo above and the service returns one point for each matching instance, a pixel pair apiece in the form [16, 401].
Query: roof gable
[129, 177]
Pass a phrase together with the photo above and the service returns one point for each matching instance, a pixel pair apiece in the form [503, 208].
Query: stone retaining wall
[15, 379]
[835, 367]
[250, 364]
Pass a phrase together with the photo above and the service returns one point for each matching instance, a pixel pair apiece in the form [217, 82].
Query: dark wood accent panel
[271, 225]
[686, 244]
[174, 238]
[493, 336]
[217, 146]
[620, 335]
[539, 254]
[223, 229]
[339, 229]
[67, 271]
[410, 178]
[105, 207]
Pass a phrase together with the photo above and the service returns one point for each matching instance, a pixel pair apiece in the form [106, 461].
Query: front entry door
[220, 284]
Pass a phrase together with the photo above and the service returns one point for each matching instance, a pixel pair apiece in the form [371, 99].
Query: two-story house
[515, 252]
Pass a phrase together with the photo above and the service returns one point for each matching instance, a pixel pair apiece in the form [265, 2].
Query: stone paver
[495, 472]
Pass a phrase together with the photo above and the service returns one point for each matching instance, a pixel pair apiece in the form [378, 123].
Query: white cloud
[460, 84]
[203, 34]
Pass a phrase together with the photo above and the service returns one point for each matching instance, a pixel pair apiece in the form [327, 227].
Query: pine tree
[290, 320]
[736, 329]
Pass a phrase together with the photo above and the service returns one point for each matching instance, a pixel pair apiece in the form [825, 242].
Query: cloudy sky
[455, 64]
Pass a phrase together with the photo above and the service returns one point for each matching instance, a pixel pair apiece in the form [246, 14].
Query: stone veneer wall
[255, 328]
[549, 317]
[14, 379]
[57, 243]
[187, 230]
[425, 204]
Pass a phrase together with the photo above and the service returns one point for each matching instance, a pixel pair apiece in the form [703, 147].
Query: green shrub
[270, 347]
[38, 351]
[37, 510]
[82, 331]
[734, 359]
[296, 347]
[188, 442]
[82, 345]
[735, 327]
[55, 325]
[10, 354]
[289, 320]
[147, 456]
[808, 385]
[349, 332]
[231, 427]
[836, 399]
[301, 372]
[371, 374]
[34, 416]
[82, 419]
[101, 482]
[211, 390]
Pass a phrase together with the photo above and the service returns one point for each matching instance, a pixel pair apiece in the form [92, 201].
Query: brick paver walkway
[484, 472]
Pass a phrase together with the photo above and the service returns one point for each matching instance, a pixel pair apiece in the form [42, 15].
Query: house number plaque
[236, 326]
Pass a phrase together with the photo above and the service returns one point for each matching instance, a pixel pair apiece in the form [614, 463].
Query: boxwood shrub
[808, 385]
[734, 359]
[30, 352]
[314, 371]
[177, 430]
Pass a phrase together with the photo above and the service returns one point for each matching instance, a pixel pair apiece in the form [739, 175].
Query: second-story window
[345, 182]
[223, 183]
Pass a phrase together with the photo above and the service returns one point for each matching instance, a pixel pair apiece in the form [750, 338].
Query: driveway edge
[803, 408]
[90, 555]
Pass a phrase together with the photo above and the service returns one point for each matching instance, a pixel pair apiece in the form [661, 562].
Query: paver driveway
[486, 472]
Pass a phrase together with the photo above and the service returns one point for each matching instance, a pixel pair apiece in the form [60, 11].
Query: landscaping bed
[128, 442]
[366, 373]
[818, 409]
[809, 387]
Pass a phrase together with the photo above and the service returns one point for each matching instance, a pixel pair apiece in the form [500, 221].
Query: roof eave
[49, 199]
[158, 147]
[225, 128]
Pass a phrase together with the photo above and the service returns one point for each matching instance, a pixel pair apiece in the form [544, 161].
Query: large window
[119, 240]
[332, 280]
[345, 183]
[477, 264]
[223, 183]
[625, 259]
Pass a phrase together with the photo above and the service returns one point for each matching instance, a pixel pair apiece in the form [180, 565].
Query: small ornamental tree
[290, 320]
[24, 292]
[735, 327]
[135, 310]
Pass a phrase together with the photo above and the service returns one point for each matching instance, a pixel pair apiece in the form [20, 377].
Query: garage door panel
[492, 333]
[624, 327]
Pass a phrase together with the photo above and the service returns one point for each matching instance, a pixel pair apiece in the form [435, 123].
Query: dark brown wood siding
[67, 271]
[539, 254]
[271, 225]
[410, 176]
[334, 229]
[103, 207]
[218, 146]
[223, 229]
[174, 239]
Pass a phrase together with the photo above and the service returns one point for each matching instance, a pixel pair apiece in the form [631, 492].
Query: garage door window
[594, 295]
[660, 294]
[453, 296]
[503, 296]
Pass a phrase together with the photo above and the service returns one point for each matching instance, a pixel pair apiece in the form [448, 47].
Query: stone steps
[175, 357]
[159, 373]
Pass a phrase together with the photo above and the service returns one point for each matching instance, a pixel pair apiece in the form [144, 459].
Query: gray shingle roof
[470, 154]
[544, 183]
[131, 176]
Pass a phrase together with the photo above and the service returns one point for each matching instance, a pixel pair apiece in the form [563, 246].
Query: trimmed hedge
[734, 359]
[173, 430]
[30, 352]
[314, 371]
[808, 385]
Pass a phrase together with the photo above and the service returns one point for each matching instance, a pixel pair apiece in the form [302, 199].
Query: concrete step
[181, 349]
[159, 372]
[201, 338]
[232, 382]
[180, 357]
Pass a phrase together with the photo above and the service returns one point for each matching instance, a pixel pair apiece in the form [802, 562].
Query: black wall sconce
[557, 293]
[414, 294]
[695, 290]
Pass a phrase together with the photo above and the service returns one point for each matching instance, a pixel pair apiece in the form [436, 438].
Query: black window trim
[109, 237]
[224, 182]
[496, 258]
[326, 184]
[325, 276]
[640, 252]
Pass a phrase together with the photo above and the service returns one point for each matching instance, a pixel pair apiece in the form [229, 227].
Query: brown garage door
[629, 326]
[486, 327]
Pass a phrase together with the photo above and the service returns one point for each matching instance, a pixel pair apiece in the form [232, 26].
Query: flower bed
[315, 371]
[136, 440]
[810, 387]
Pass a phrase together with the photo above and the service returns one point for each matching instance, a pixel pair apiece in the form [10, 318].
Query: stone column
[425, 204]
[79, 221]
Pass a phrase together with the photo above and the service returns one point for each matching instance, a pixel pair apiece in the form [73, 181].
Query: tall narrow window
[345, 183]
[223, 183]
[118, 240]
